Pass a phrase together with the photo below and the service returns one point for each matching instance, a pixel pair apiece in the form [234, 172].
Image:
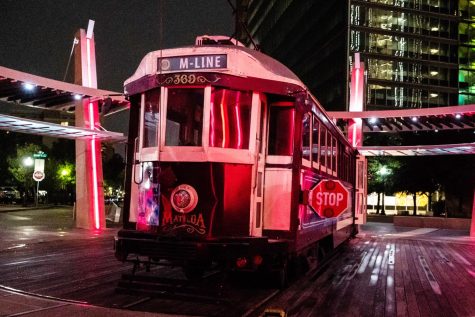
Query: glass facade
[418, 53]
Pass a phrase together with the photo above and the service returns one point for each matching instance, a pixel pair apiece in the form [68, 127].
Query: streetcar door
[257, 202]
[278, 173]
[146, 145]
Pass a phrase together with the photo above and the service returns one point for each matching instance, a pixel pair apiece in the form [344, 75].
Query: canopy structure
[414, 120]
[21, 125]
[418, 150]
[443, 118]
[25, 89]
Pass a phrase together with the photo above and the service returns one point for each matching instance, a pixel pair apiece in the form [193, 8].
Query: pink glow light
[223, 117]
[92, 124]
[238, 121]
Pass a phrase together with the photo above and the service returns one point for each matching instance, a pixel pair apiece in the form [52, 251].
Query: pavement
[15, 302]
[41, 224]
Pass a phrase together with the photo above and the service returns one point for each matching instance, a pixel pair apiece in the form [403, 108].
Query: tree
[65, 174]
[417, 175]
[381, 183]
[16, 166]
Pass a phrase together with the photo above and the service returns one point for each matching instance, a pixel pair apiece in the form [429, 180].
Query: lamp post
[27, 162]
[384, 172]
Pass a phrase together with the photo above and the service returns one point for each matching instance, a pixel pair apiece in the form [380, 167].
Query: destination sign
[193, 62]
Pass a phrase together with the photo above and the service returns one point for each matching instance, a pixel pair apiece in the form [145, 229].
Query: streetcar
[225, 149]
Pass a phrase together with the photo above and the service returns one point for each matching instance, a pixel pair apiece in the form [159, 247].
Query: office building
[417, 53]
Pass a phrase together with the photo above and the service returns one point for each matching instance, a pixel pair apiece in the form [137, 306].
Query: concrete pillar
[89, 182]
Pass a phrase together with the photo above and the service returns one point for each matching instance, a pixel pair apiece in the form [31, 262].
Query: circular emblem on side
[184, 198]
[165, 64]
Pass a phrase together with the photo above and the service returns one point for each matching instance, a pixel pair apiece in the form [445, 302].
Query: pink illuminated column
[357, 89]
[89, 181]
[355, 137]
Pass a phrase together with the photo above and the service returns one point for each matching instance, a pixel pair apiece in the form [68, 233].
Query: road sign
[329, 198]
[38, 176]
[40, 155]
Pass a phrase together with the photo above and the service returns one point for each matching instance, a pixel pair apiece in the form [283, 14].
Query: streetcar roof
[241, 61]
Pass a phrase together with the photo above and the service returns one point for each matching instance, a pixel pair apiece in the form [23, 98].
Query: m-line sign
[192, 62]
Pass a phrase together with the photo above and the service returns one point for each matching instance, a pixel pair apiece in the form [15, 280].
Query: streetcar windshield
[230, 118]
[151, 118]
[184, 125]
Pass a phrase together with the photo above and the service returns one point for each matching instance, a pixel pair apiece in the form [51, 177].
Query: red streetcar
[226, 151]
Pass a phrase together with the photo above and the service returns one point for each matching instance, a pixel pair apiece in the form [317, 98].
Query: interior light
[458, 116]
[436, 130]
[28, 86]
[77, 97]
[434, 51]
[434, 73]
[434, 28]
[373, 120]
[414, 119]
[433, 95]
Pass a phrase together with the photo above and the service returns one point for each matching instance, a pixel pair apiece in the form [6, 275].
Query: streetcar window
[306, 136]
[315, 137]
[334, 155]
[329, 150]
[323, 145]
[230, 118]
[151, 118]
[184, 117]
[281, 130]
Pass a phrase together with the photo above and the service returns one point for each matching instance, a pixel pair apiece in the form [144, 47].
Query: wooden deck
[391, 271]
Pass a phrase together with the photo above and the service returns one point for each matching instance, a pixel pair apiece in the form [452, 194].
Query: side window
[230, 118]
[323, 146]
[281, 130]
[315, 138]
[151, 118]
[329, 151]
[184, 117]
[334, 154]
[306, 120]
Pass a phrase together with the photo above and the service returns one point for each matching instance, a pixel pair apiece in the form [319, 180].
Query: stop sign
[38, 176]
[329, 198]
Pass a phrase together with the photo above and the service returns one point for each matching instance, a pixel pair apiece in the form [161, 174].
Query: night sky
[36, 35]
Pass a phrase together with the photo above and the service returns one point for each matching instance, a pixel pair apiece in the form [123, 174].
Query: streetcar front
[194, 161]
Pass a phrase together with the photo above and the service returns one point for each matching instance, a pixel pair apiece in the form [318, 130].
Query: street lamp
[28, 161]
[384, 172]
